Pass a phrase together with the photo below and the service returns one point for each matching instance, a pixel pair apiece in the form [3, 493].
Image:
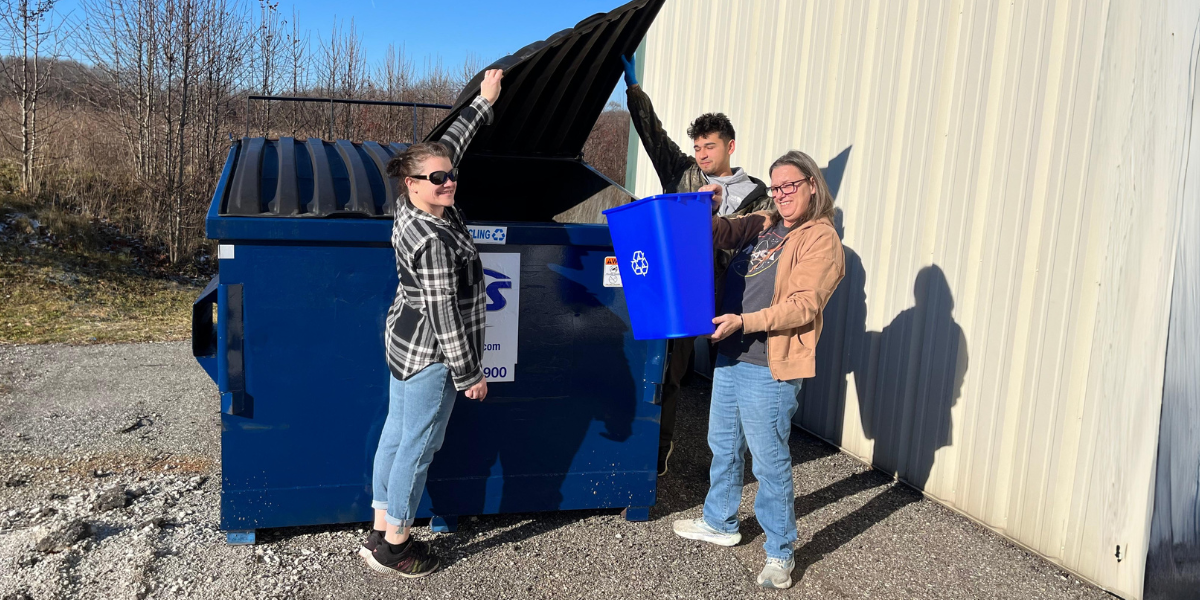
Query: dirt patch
[105, 466]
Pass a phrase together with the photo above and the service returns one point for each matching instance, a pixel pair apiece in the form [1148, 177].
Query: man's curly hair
[708, 123]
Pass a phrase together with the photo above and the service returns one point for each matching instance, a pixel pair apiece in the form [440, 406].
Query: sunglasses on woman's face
[439, 177]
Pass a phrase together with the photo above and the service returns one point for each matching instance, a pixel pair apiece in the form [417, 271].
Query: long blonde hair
[820, 205]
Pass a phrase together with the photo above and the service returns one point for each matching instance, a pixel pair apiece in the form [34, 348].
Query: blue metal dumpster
[292, 329]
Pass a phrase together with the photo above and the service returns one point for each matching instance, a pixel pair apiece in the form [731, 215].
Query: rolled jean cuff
[378, 505]
[789, 556]
[394, 522]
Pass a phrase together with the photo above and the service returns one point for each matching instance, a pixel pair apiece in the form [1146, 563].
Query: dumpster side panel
[578, 428]
[315, 380]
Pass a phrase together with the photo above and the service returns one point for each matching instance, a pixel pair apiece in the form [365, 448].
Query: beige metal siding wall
[1009, 178]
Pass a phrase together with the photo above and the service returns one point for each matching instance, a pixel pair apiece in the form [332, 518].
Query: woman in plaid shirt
[434, 334]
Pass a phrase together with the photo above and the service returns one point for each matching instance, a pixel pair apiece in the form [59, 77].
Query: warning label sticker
[612, 272]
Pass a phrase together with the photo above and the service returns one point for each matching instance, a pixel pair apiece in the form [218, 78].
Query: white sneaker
[777, 573]
[697, 529]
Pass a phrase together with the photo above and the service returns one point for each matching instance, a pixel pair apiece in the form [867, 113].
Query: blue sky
[451, 29]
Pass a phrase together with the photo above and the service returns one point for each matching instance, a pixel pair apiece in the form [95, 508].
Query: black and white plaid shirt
[438, 313]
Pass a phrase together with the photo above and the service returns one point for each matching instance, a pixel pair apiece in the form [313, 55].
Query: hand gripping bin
[292, 329]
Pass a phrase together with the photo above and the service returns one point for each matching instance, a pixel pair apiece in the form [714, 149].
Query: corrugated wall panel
[1173, 564]
[1007, 176]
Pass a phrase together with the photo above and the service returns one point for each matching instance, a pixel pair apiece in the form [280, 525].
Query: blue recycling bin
[665, 254]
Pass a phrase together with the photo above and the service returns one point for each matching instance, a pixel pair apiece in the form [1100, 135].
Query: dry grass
[66, 279]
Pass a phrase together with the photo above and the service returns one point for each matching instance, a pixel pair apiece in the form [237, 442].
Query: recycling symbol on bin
[640, 266]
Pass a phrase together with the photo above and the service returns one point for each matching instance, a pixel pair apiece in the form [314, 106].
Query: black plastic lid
[554, 90]
[311, 178]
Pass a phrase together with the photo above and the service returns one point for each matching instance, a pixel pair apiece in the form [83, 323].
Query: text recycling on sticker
[612, 272]
[488, 235]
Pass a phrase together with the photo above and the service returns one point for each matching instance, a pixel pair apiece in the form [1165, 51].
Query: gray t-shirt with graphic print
[749, 287]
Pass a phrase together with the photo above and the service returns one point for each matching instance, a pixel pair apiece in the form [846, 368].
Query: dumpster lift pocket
[231, 363]
[218, 346]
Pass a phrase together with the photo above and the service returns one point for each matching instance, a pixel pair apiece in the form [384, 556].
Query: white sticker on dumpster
[488, 235]
[502, 276]
[612, 272]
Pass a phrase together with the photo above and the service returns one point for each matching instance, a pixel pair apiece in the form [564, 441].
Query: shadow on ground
[686, 484]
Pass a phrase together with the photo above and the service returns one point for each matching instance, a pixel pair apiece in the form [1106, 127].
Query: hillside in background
[116, 124]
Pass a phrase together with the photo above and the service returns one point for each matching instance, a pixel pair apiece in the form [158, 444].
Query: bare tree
[343, 69]
[183, 18]
[269, 46]
[396, 74]
[221, 63]
[32, 31]
[471, 66]
[159, 70]
[299, 66]
[393, 80]
[121, 39]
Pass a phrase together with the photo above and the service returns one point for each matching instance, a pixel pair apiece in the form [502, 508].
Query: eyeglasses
[787, 188]
[439, 177]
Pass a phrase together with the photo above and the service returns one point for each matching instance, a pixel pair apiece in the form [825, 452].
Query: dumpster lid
[555, 89]
[308, 178]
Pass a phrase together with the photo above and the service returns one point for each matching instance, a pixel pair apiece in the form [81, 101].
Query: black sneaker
[410, 559]
[663, 456]
[369, 544]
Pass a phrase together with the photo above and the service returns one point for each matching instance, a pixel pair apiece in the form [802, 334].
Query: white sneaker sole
[700, 536]
[770, 585]
[378, 568]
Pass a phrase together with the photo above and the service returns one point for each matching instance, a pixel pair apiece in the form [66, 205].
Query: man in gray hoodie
[713, 144]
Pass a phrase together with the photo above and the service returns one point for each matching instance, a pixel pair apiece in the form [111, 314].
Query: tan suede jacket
[810, 268]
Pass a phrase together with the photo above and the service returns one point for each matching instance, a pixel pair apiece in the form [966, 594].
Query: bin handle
[204, 331]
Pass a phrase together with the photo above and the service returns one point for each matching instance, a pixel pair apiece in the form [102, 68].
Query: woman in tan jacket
[789, 263]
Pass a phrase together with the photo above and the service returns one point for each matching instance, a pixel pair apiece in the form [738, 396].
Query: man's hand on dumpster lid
[490, 88]
[716, 190]
[477, 391]
[630, 71]
[726, 325]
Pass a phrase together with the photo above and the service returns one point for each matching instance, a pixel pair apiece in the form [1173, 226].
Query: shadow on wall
[908, 376]
[835, 172]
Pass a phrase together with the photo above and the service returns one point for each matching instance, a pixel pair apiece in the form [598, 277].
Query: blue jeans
[751, 409]
[418, 410]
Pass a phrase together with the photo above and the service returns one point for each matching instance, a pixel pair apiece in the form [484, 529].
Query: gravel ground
[109, 458]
